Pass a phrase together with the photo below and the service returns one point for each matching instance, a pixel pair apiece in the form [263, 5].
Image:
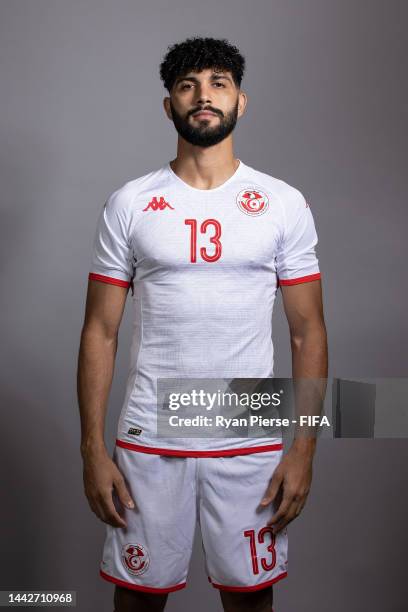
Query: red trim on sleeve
[109, 279]
[255, 587]
[153, 450]
[300, 279]
[139, 587]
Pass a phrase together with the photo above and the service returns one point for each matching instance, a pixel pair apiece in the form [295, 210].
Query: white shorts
[171, 494]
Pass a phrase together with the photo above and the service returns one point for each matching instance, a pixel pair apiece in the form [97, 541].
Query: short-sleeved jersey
[204, 266]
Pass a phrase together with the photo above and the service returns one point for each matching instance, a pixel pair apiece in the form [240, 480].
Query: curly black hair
[198, 53]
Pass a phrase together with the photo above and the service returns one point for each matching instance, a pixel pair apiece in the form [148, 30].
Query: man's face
[208, 90]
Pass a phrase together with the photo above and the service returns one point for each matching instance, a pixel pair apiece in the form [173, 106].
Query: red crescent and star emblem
[252, 201]
[135, 558]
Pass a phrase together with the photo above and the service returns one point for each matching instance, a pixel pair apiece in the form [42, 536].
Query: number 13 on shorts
[263, 535]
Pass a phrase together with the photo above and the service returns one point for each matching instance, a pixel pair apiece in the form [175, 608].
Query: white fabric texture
[205, 267]
[171, 495]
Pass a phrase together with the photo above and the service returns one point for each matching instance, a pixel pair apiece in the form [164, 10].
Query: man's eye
[189, 84]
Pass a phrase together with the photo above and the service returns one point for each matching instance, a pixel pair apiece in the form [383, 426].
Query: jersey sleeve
[296, 260]
[112, 256]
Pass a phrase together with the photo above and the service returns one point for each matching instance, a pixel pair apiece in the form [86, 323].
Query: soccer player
[203, 242]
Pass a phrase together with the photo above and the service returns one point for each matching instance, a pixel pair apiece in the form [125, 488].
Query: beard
[202, 134]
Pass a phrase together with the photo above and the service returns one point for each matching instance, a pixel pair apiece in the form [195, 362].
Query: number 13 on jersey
[208, 226]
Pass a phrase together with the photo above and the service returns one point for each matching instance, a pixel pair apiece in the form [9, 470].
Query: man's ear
[243, 100]
[167, 109]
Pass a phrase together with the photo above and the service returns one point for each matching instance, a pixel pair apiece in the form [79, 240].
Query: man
[204, 242]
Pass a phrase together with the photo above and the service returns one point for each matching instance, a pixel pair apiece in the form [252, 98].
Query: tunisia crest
[252, 201]
[135, 558]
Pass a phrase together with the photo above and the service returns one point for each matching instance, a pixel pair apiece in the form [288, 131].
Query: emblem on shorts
[252, 202]
[135, 558]
[134, 431]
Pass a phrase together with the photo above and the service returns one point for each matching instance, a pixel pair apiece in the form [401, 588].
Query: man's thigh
[127, 600]
[253, 601]
[152, 553]
[242, 553]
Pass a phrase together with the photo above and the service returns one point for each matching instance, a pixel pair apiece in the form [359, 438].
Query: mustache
[207, 108]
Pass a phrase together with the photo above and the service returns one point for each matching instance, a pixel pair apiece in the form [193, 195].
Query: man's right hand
[101, 475]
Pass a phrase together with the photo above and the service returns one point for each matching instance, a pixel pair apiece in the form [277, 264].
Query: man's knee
[247, 601]
[129, 600]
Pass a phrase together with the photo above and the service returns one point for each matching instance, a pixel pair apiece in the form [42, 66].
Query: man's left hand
[290, 485]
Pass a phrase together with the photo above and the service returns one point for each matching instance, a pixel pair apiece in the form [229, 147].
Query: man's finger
[272, 489]
[109, 513]
[281, 525]
[284, 506]
[123, 493]
[281, 519]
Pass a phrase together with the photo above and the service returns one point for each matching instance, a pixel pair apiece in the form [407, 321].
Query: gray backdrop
[81, 113]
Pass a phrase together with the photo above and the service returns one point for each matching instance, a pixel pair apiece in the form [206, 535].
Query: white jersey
[204, 266]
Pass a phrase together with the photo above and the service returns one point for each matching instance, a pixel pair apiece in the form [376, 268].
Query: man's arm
[303, 307]
[105, 304]
[304, 311]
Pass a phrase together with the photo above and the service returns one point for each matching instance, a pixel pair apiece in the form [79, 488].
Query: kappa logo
[135, 558]
[156, 204]
[252, 202]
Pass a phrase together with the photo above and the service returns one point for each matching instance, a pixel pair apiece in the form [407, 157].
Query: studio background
[81, 113]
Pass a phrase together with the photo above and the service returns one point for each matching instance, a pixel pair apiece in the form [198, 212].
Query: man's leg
[243, 556]
[150, 556]
[251, 601]
[128, 600]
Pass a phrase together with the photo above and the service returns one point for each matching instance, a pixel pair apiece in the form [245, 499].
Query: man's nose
[203, 94]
